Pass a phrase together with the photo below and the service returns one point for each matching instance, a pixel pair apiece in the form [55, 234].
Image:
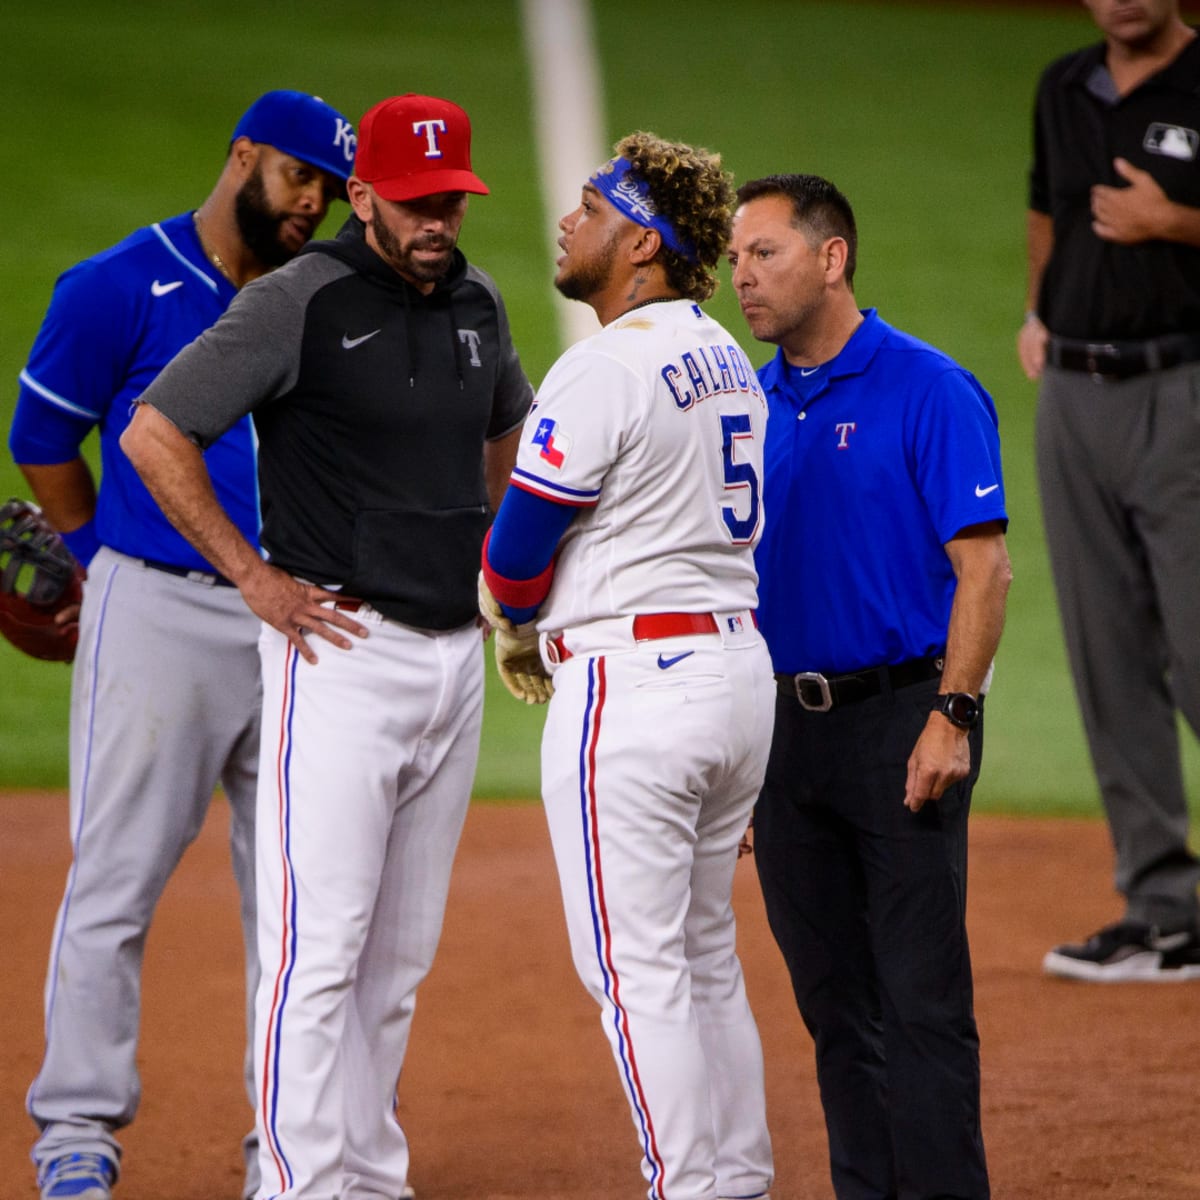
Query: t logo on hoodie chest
[470, 339]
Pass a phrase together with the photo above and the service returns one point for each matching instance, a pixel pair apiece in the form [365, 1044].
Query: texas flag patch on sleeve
[555, 445]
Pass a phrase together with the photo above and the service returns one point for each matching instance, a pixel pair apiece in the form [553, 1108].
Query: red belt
[650, 627]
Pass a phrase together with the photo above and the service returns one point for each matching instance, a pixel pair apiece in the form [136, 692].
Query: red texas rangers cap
[411, 146]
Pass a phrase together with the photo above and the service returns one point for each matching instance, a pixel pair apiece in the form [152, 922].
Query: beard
[591, 276]
[399, 255]
[259, 223]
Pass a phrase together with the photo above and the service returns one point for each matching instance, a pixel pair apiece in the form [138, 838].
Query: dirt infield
[509, 1092]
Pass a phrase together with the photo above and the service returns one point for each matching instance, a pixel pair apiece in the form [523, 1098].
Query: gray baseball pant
[165, 700]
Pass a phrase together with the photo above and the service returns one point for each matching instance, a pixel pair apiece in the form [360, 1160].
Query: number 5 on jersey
[739, 477]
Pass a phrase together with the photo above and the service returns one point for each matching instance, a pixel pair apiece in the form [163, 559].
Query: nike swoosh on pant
[664, 662]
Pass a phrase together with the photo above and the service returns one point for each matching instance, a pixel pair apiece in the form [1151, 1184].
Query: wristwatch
[959, 708]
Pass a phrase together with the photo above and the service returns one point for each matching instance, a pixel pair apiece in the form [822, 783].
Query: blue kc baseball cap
[303, 126]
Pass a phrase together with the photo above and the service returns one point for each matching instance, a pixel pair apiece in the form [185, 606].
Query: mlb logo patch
[554, 443]
[1173, 141]
[736, 624]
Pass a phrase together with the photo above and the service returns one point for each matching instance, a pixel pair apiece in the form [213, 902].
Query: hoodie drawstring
[455, 343]
[410, 346]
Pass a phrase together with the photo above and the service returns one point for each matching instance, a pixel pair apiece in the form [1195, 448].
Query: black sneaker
[1129, 952]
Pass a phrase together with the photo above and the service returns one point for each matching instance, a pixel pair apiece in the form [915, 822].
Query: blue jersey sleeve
[44, 433]
[80, 358]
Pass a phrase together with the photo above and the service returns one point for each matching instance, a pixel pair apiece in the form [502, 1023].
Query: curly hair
[690, 190]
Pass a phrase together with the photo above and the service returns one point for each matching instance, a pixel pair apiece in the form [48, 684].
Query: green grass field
[117, 114]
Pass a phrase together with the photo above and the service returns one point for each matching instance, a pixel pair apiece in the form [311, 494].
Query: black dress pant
[867, 902]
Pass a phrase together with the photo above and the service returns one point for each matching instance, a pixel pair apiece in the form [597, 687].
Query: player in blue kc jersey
[165, 691]
[883, 575]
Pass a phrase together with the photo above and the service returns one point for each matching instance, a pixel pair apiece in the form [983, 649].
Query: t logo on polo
[554, 444]
[343, 136]
[1173, 141]
[430, 128]
[845, 429]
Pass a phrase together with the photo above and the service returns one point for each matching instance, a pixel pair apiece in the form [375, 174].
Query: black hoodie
[371, 403]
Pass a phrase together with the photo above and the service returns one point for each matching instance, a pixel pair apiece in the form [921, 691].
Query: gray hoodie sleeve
[250, 356]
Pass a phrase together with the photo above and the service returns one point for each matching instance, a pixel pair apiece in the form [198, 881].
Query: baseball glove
[39, 579]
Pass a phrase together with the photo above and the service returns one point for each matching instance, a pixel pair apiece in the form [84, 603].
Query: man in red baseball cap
[414, 155]
[388, 400]
[411, 146]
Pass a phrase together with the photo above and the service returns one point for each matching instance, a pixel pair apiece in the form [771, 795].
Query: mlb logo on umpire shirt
[1173, 141]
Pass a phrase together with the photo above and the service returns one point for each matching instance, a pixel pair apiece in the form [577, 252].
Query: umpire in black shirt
[1113, 333]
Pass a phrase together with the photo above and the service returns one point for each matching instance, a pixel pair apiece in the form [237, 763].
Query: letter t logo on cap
[430, 128]
[411, 146]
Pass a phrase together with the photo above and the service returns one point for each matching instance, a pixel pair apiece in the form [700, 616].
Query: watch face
[962, 709]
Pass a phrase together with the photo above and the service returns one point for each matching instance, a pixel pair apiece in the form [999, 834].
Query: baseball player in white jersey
[624, 547]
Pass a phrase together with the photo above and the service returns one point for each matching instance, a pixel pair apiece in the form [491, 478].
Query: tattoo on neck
[639, 281]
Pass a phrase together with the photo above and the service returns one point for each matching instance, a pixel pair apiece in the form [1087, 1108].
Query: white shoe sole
[1143, 967]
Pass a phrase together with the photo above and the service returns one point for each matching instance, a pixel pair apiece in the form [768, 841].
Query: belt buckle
[1097, 350]
[821, 682]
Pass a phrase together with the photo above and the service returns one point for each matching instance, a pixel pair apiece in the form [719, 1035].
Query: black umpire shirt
[1094, 289]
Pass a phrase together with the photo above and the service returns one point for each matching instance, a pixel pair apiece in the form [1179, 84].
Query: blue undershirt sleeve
[523, 540]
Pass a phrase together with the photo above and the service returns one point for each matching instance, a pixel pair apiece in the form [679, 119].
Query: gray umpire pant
[1119, 470]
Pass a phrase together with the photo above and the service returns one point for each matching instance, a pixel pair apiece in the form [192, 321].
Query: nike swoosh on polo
[983, 491]
[664, 662]
[163, 289]
[348, 343]
[807, 371]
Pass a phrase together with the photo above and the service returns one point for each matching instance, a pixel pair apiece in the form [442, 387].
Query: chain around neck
[651, 300]
[216, 260]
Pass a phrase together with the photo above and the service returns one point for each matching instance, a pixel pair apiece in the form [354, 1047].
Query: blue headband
[631, 197]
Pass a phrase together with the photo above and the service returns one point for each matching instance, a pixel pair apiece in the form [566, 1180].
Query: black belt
[1122, 360]
[820, 693]
[207, 577]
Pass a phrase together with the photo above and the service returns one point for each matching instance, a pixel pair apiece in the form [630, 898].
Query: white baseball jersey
[654, 750]
[656, 425]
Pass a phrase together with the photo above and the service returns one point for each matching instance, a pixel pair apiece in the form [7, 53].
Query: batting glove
[517, 658]
[520, 664]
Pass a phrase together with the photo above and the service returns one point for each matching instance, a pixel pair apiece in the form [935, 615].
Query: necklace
[217, 260]
[651, 300]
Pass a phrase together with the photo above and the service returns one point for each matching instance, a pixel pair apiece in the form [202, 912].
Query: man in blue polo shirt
[165, 691]
[883, 578]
